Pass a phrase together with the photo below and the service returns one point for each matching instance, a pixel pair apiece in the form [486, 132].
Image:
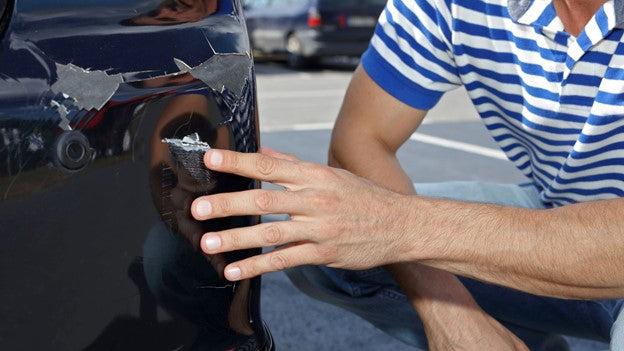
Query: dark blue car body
[106, 109]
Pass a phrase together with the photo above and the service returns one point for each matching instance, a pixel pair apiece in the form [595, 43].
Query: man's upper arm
[370, 114]
[411, 55]
[406, 70]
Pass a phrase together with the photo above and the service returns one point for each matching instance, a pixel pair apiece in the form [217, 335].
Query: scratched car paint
[106, 108]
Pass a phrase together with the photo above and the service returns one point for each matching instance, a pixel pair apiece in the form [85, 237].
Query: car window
[253, 4]
[354, 2]
[280, 3]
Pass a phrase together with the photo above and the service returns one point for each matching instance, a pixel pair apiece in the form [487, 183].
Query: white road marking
[458, 145]
[419, 137]
[305, 94]
[297, 127]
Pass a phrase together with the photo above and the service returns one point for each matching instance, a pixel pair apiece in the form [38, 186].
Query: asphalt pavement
[297, 112]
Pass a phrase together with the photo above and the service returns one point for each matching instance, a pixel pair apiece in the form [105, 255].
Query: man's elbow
[334, 155]
[352, 148]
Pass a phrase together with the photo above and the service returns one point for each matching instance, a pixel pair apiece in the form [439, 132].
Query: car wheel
[294, 49]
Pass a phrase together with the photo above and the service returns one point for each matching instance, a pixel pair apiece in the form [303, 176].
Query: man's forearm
[369, 150]
[569, 252]
[450, 316]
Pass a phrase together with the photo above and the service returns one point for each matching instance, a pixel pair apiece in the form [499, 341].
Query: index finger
[256, 166]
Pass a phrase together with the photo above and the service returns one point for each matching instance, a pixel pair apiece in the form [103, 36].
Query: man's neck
[576, 13]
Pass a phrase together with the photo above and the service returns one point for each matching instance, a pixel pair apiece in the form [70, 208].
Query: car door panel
[106, 109]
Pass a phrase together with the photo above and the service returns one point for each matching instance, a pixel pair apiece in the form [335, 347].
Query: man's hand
[337, 219]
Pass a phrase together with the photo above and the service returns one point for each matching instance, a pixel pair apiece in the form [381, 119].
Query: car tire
[294, 50]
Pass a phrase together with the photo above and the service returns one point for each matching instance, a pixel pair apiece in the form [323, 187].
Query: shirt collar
[619, 13]
[535, 13]
[517, 8]
[540, 12]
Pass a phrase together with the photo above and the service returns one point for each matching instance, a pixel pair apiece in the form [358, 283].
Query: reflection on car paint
[171, 12]
[98, 250]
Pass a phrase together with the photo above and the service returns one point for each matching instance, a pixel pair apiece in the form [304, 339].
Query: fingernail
[212, 242]
[216, 158]
[233, 273]
[203, 208]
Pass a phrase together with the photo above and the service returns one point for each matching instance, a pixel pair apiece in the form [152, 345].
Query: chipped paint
[64, 124]
[189, 143]
[92, 89]
[216, 72]
[189, 152]
[89, 89]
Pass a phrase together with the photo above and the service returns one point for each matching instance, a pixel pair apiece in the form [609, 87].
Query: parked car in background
[106, 110]
[303, 31]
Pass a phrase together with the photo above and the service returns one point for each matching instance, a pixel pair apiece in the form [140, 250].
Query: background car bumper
[319, 44]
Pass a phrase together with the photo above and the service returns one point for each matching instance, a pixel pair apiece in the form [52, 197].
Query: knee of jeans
[617, 333]
[307, 281]
[332, 283]
[316, 283]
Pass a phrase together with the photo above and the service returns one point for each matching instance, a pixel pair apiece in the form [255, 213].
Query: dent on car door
[106, 108]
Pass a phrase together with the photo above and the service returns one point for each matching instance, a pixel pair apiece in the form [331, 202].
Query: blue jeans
[375, 296]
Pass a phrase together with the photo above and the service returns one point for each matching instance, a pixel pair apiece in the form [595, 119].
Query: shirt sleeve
[411, 54]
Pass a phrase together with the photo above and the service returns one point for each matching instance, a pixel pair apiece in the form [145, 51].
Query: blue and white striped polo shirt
[553, 102]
